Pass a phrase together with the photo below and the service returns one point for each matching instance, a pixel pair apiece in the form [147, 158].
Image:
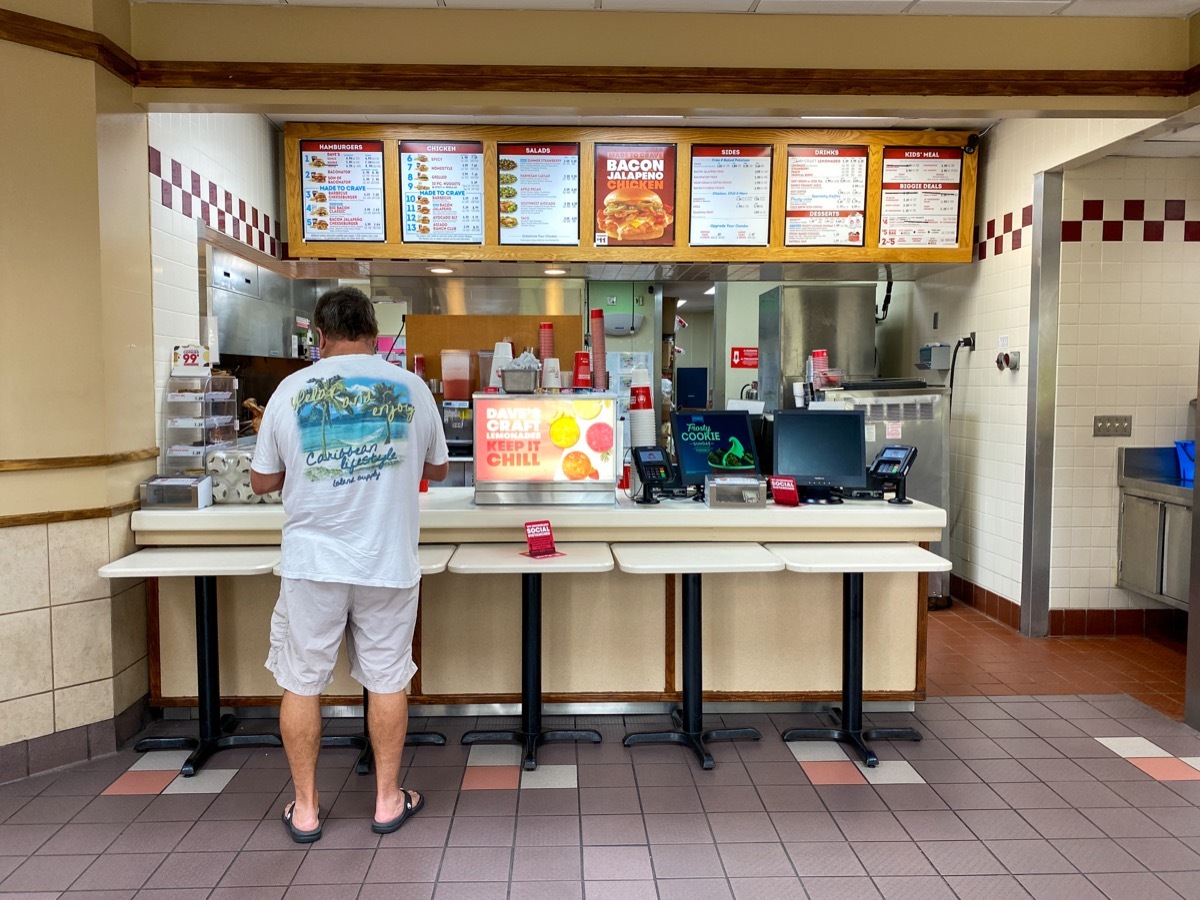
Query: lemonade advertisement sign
[545, 439]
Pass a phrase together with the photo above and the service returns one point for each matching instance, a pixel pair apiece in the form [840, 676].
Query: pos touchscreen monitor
[823, 449]
[713, 442]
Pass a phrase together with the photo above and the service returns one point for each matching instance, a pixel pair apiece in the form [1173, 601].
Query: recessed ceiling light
[679, 303]
[712, 290]
[554, 270]
[441, 270]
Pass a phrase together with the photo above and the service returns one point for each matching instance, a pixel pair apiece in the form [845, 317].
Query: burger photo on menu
[633, 214]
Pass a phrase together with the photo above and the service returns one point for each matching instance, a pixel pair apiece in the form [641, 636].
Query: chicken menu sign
[635, 195]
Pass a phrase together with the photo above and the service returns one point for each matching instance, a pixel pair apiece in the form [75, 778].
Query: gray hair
[346, 314]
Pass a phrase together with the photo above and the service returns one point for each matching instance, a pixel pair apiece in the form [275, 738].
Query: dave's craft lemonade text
[513, 436]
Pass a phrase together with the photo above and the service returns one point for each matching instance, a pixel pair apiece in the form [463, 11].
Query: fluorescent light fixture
[554, 270]
[679, 303]
[441, 270]
[712, 290]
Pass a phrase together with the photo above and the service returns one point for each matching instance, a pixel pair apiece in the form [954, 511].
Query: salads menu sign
[731, 195]
[920, 199]
[826, 196]
[441, 184]
[538, 188]
[635, 195]
[342, 190]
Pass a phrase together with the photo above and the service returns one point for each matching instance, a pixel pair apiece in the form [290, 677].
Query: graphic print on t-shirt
[351, 428]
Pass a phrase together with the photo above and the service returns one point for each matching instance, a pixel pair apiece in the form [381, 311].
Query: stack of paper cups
[642, 430]
[546, 341]
[501, 356]
[583, 369]
[599, 360]
[551, 375]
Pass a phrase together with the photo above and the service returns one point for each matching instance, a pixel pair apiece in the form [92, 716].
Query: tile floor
[1014, 792]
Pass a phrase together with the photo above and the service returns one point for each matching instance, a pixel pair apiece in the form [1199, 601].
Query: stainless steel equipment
[918, 417]
[1154, 525]
[795, 319]
[458, 422]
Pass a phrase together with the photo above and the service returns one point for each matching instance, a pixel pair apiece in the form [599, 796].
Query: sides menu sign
[826, 196]
[342, 192]
[441, 191]
[731, 195]
[635, 195]
[538, 187]
[920, 200]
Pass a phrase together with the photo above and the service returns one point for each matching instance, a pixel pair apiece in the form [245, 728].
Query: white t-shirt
[353, 434]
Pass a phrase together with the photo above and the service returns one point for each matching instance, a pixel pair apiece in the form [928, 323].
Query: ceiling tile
[685, 6]
[520, 4]
[987, 7]
[1148, 8]
[835, 7]
[397, 4]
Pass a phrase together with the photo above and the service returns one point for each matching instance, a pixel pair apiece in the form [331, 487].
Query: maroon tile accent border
[998, 229]
[1164, 625]
[63, 748]
[181, 191]
[1119, 221]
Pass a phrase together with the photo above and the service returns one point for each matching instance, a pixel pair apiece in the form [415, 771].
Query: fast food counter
[611, 638]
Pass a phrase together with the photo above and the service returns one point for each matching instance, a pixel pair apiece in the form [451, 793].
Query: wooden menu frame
[491, 250]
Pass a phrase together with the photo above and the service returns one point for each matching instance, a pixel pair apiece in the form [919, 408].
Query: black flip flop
[298, 835]
[410, 810]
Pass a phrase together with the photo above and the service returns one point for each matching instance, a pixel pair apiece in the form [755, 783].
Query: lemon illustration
[587, 409]
[564, 432]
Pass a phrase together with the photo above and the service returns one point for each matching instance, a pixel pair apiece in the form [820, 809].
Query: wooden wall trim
[76, 462]
[68, 40]
[661, 80]
[69, 515]
[44, 34]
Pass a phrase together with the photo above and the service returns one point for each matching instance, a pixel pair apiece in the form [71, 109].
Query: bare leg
[300, 727]
[387, 719]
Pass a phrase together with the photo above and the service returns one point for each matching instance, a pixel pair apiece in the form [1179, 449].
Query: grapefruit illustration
[577, 466]
[564, 432]
[600, 439]
[587, 409]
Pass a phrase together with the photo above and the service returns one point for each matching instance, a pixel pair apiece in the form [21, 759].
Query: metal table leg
[362, 742]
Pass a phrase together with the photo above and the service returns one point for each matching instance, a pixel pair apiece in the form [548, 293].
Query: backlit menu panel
[826, 196]
[342, 192]
[731, 195]
[538, 194]
[441, 185]
[919, 203]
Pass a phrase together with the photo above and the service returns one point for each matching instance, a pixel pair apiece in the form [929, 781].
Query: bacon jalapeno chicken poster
[635, 195]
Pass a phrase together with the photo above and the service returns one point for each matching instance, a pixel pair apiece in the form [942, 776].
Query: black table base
[689, 719]
[850, 715]
[531, 735]
[213, 726]
[362, 742]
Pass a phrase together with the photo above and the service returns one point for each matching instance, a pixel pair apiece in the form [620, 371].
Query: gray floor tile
[616, 864]
[118, 871]
[1029, 796]
[482, 831]
[686, 861]
[731, 798]
[82, 839]
[739, 827]
[767, 888]
[547, 864]
[824, 858]
[962, 858]
[46, 873]
[1030, 857]
[1097, 855]
[620, 890]
[1142, 886]
[1061, 887]
[547, 831]
[933, 825]
[892, 858]
[997, 771]
[611, 830]
[839, 889]
[667, 799]
[692, 889]
[1162, 854]
[987, 887]
[790, 798]
[191, 870]
[606, 801]
[547, 802]
[546, 890]
[870, 826]
[914, 887]
[405, 865]
[970, 796]
[1125, 823]
[909, 796]
[483, 890]
[755, 860]
[1061, 823]
[678, 828]
[475, 864]
[850, 798]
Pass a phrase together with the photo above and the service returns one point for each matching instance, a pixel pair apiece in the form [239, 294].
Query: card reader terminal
[891, 466]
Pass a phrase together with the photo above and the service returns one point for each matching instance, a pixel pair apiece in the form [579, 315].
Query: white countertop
[492, 559]
[165, 562]
[450, 515]
[854, 558]
[663, 559]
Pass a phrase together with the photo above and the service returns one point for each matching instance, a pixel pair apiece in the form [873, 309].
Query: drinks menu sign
[542, 439]
[635, 195]
[538, 188]
[826, 196]
[731, 195]
[441, 184]
[920, 198]
[342, 191]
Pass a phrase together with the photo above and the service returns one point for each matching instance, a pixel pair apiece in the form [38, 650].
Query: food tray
[518, 381]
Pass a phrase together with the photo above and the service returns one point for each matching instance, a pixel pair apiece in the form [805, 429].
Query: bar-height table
[204, 564]
[852, 561]
[433, 559]
[693, 560]
[497, 559]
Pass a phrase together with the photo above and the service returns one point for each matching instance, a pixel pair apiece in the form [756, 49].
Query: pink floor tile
[1166, 768]
[508, 778]
[836, 773]
[153, 781]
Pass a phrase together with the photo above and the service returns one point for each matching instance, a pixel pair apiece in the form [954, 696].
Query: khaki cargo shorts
[308, 623]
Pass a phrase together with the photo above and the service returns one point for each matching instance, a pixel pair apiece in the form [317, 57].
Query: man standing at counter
[348, 440]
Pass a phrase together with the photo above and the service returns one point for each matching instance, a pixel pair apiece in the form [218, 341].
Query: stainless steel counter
[1155, 528]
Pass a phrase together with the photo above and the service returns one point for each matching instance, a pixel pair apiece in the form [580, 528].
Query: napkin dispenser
[735, 490]
[178, 491]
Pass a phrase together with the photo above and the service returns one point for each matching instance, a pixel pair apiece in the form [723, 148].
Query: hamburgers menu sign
[342, 192]
[538, 187]
[635, 195]
[441, 184]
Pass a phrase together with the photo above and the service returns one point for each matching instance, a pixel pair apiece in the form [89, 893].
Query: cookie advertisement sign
[635, 195]
[523, 439]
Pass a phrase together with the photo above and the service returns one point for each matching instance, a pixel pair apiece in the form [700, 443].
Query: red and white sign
[540, 538]
[922, 188]
[743, 358]
[538, 194]
[731, 195]
[342, 195]
[826, 196]
[635, 195]
[441, 191]
[783, 490]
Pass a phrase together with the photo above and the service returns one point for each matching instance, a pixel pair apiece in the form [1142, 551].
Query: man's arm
[432, 472]
[264, 484]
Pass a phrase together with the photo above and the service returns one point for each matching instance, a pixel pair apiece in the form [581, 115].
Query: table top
[858, 558]
[482, 559]
[665, 558]
[433, 558]
[166, 562]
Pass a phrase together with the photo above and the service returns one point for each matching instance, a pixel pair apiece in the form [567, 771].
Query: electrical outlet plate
[1112, 426]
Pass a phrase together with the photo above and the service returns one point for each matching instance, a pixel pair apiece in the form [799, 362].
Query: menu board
[731, 195]
[441, 191]
[538, 188]
[635, 195]
[539, 439]
[920, 199]
[826, 196]
[342, 192]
